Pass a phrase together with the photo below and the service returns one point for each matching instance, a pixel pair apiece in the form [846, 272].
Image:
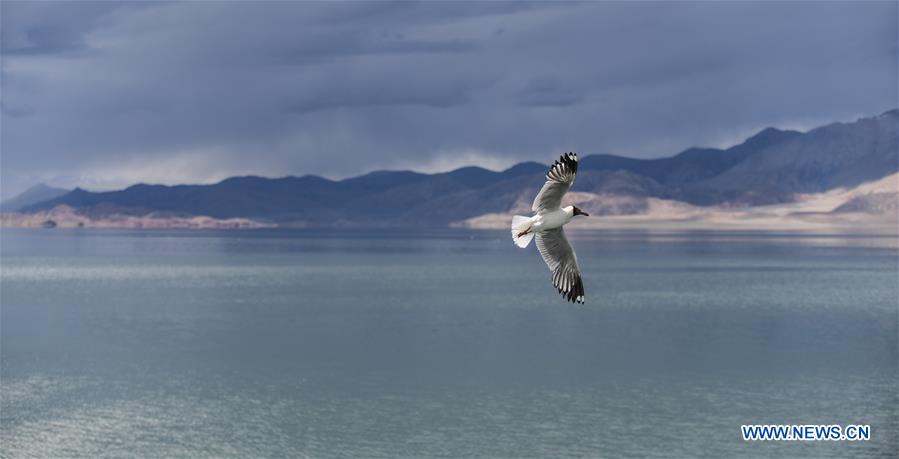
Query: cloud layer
[106, 94]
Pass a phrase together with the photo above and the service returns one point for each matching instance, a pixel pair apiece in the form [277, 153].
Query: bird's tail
[519, 225]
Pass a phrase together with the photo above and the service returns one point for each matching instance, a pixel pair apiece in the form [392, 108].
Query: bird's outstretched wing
[558, 181]
[560, 257]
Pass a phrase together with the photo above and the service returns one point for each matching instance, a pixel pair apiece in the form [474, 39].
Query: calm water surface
[270, 343]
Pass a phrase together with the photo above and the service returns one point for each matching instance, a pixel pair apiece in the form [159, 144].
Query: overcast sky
[103, 95]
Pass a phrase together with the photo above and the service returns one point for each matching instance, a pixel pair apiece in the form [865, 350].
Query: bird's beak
[585, 214]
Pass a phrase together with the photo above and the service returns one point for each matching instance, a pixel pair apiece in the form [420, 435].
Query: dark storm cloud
[549, 91]
[104, 94]
[48, 28]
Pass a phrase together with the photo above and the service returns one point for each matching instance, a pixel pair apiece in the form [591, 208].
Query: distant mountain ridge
[773, 166]
[37, 193]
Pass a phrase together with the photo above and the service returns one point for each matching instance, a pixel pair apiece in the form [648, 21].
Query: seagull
[547, 224]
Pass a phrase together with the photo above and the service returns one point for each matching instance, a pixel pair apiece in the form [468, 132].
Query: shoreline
[844, 222]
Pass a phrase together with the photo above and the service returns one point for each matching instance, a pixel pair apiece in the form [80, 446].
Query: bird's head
[579, 212]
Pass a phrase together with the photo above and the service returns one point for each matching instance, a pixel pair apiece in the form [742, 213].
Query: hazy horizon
[490, 167]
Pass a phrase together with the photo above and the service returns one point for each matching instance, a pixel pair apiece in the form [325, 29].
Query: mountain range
[770, 168]
[37, 193]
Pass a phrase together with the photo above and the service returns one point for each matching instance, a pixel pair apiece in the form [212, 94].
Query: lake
[454, 344]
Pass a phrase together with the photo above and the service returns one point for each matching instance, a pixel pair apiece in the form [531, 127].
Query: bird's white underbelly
[551, 220]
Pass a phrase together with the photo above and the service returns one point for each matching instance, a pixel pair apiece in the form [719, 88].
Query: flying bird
[547, 224]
